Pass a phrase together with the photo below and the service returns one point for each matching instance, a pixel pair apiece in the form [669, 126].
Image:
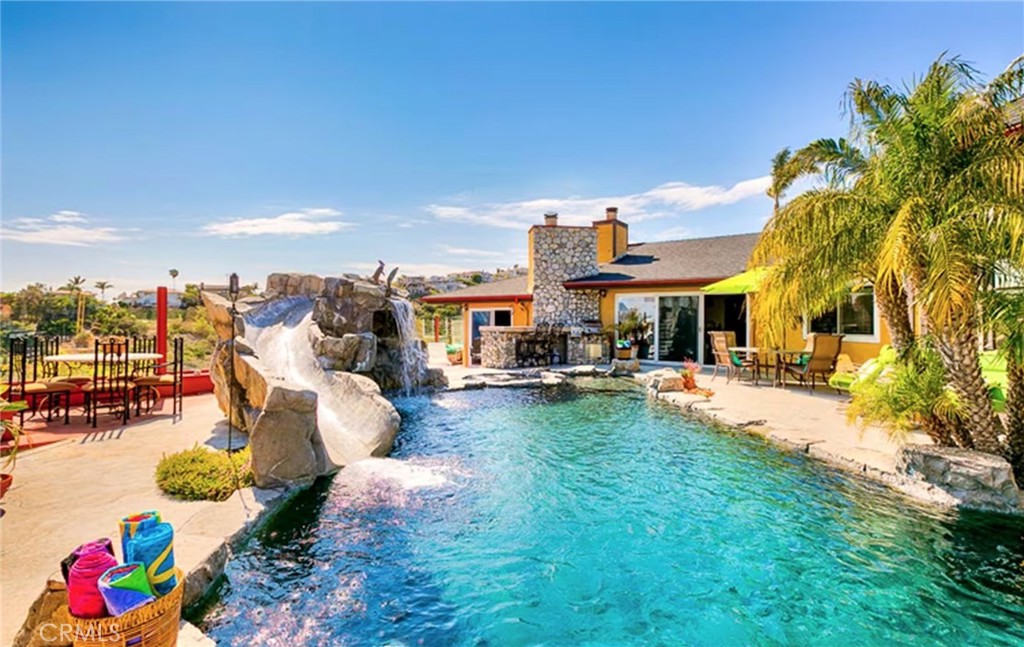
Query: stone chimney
[611, 213]
[551, 219]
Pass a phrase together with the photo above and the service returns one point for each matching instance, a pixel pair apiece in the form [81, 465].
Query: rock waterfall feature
[309, 365]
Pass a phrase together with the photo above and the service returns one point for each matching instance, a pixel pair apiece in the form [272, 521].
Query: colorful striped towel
[133, 524]
[84, 598]
[125, 588]
[153, 546]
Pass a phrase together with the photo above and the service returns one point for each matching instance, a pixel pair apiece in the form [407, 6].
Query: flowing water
[604, 519]
[414, 358]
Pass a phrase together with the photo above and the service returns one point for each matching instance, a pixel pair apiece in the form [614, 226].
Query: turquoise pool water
[610, 520]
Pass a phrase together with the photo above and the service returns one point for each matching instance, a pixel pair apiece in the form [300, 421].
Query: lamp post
[233, 290]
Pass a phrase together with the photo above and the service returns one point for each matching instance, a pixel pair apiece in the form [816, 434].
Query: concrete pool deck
[77, 490]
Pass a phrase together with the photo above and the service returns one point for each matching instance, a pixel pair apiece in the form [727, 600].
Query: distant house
[581, 280]
[147, 299]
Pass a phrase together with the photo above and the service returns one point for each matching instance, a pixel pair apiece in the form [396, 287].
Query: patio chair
[721, 341]
[820, 359]
[169, 374]
[111, 385]
[50, 371]
[26, 381]
[143, 345]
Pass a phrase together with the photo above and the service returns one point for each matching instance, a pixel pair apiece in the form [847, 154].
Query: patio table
[76, 359]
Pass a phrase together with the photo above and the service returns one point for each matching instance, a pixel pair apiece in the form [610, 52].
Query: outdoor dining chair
[721, 341]
[820, 359]
[167, 375]
[111, 385]
[27, 379]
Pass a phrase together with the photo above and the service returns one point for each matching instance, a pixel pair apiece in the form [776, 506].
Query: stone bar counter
[531, 346]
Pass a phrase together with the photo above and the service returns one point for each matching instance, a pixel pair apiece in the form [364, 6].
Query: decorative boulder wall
[306, 374]
[973, 479]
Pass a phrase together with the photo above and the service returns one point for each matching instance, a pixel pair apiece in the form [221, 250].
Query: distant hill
[421, 286]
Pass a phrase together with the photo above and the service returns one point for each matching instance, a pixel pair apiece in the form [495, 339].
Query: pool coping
[915, 488]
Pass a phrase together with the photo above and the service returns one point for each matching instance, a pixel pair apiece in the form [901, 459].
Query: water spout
[414, 358]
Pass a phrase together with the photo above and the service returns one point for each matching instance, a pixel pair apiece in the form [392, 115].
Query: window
[855, 317]
[502, 317]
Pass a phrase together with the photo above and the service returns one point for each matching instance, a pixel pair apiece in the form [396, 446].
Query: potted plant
[633, 333]
[689, 373]
[12, 430]
[454, 352]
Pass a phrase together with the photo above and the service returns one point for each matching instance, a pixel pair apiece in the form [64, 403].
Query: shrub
[201, 474]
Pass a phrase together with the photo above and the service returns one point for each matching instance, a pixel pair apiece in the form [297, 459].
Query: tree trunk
[893, 307]
[959, 351]
[1015, 414]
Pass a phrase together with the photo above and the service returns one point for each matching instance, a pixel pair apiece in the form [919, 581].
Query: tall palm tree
[103, 286]
[926, 197]
[74, 284]
[174, 278]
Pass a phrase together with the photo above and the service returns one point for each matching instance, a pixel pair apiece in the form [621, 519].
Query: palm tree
[174, 278]
[923, 201]
[103, 286]
[74, 284]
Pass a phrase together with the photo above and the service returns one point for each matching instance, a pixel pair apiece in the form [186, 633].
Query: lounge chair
[721, 341]
[845, 374]
[820, 360]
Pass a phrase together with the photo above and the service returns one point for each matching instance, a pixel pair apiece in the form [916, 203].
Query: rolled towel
[103, 544]
[84, 597]
[154, 547]
[125, 588]
[134, 523]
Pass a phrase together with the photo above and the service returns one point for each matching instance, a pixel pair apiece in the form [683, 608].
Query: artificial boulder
[287, 371]
[974, 479]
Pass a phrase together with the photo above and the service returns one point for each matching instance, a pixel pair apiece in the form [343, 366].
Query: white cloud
[672, 233]
[68, 216]
[468, 251]
[67, 228]
[671, 198]
[304, 222]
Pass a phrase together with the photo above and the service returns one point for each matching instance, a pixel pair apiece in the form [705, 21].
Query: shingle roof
[514, 287]
[695, 260]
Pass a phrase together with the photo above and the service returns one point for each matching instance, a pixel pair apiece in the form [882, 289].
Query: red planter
[5, 482]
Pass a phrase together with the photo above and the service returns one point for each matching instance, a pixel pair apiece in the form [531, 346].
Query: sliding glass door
[677, 324]
[678, 328]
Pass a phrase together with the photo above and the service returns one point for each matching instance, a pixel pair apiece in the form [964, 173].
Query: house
[147, 299]
[581, 280]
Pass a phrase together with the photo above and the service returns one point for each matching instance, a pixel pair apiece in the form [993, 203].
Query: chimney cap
[611, 213]
[550, 214]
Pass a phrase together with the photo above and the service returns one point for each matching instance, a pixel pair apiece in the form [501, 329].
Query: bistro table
[78, 359]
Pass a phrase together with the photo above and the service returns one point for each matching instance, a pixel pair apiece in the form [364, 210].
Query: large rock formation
[305, 378]
[973, 479]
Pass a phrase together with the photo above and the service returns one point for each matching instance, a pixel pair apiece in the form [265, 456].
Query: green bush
[201, 474]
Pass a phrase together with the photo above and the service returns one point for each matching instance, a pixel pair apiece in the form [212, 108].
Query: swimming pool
[595, 518]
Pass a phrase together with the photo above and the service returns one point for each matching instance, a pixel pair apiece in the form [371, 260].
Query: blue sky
[219, 137]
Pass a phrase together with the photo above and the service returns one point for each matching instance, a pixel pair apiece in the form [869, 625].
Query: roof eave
[642, 283]
[453, 298]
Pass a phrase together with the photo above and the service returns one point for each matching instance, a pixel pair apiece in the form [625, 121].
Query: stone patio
[78, 489]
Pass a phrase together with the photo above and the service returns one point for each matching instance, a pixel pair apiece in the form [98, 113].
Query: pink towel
[84, 597]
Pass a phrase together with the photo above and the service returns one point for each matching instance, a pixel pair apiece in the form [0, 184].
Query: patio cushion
[116, 384]
[48, 387]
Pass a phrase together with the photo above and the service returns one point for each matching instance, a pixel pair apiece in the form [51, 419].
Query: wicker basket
[154, 625]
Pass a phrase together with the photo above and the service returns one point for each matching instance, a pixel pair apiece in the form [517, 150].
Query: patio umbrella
[742, 283]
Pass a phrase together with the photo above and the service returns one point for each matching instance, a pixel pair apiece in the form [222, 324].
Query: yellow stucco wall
[522, 315]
